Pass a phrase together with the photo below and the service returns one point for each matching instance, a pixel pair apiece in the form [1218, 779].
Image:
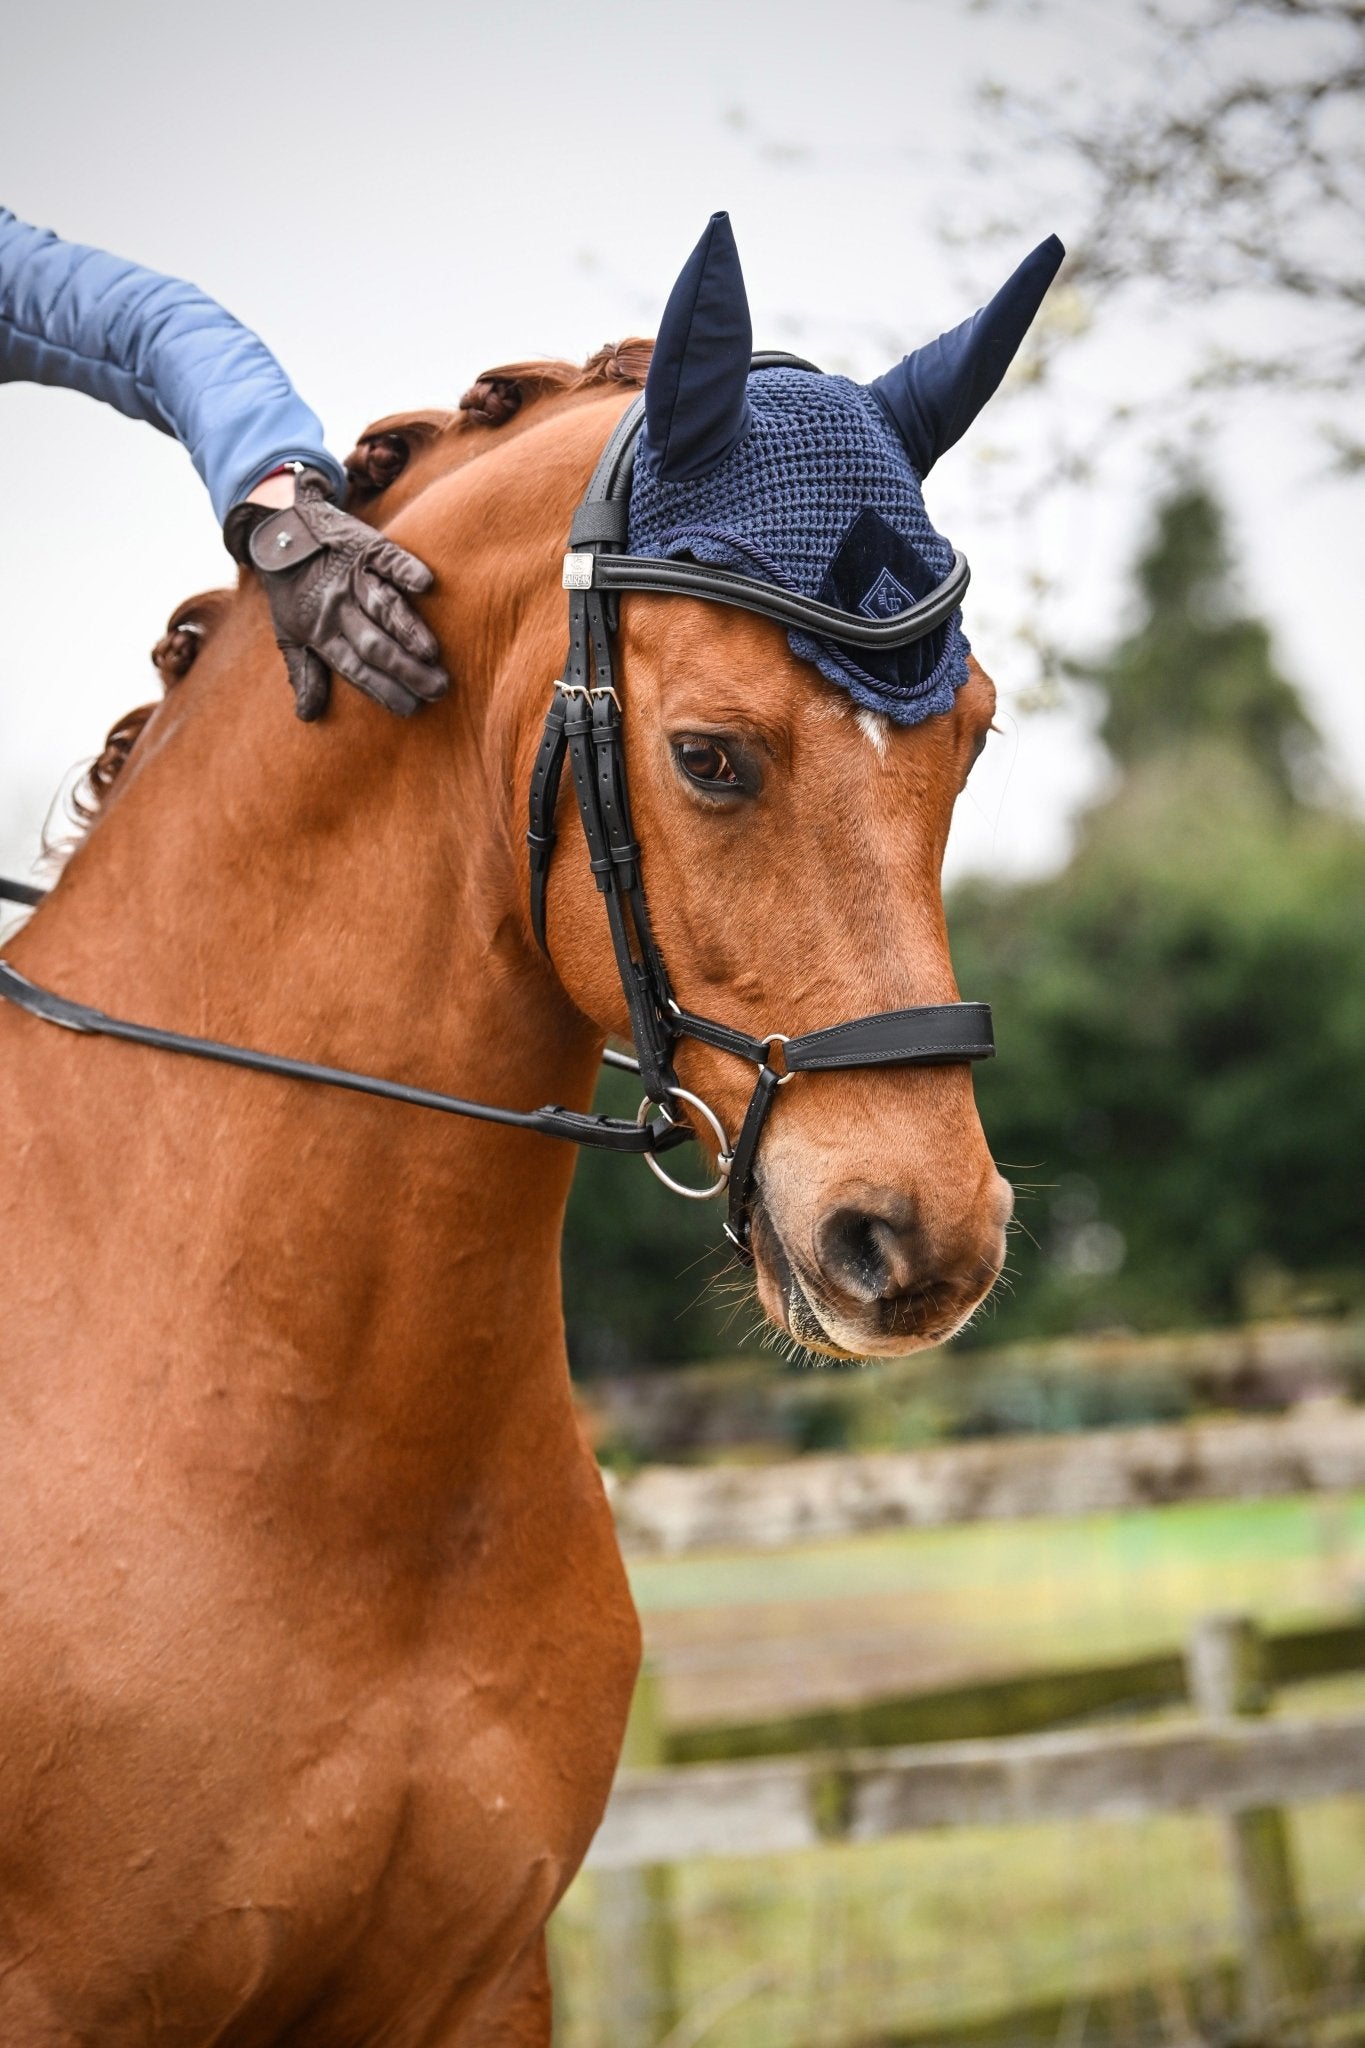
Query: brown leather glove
[337, 597]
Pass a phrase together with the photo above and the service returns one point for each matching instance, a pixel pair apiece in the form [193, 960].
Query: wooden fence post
[636, 1985]
[1227, 1676]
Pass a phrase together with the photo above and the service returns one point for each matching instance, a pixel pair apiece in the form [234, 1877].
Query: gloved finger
[311, 683]
[390, 609]
[373, 681]
[378, 649]
[399, 567]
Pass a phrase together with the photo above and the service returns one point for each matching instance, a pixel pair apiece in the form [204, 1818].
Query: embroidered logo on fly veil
[880, 573]
[886, 598]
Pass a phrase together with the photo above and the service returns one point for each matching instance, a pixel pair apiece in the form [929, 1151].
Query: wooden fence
[1226, 1757]
[671, 1509]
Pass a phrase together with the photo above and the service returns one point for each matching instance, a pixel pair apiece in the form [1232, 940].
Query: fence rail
[767, 1808]
[1017, 1705]
[668, 1510]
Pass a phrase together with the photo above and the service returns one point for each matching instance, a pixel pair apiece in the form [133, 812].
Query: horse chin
[786, 1296]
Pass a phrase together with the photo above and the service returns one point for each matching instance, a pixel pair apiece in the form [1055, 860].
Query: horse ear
[696, 409]
[936, 393]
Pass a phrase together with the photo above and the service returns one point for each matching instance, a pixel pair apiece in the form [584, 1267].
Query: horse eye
[704, 760]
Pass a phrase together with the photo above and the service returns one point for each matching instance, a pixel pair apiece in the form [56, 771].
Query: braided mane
[391, 461]
[495, 395]
[415, 447]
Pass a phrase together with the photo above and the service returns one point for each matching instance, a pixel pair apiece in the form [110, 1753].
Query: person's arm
[160, 350]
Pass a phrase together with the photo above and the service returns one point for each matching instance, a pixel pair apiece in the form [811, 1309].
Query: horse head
[791, 798]
[792, 853]
[791, 794]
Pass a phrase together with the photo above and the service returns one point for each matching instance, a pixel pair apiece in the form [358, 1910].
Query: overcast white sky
[396, 197]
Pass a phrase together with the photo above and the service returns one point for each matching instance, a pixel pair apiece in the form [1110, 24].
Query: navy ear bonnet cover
[813, 482]
[819, 497]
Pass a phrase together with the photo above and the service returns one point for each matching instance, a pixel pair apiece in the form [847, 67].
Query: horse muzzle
[871, 1275]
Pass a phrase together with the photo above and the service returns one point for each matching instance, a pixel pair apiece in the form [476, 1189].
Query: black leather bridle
[583, 727]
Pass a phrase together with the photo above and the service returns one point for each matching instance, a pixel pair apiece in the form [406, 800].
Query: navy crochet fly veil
[813, 482]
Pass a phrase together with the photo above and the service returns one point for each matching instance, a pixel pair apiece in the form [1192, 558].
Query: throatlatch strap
[544, 800]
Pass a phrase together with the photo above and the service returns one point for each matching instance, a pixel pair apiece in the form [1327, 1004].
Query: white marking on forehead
[873, 727]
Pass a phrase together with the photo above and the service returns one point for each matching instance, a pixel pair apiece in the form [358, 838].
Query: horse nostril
[869, 1254]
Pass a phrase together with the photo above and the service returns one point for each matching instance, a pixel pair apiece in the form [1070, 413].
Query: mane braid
[174, 654]
[495, 397]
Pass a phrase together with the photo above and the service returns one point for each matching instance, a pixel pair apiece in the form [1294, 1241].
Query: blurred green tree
[1195, 669]
[1182, 1011]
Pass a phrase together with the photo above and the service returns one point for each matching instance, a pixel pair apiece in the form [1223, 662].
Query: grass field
[769, 1632]
[935, 1932]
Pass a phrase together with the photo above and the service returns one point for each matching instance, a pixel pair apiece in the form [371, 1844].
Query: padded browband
[602, 520]
[667, 578]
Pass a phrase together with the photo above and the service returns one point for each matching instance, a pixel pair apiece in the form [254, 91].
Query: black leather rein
[602, 1133]
[583, 728]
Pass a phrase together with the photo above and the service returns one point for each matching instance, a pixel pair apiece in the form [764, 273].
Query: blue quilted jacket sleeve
[160, 350]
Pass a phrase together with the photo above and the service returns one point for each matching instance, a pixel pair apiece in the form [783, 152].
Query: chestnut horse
[318, 1646]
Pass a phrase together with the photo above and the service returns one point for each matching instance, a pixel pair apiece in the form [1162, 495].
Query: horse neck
[351, 892]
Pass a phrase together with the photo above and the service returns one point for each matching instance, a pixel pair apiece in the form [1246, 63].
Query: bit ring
[705, 1110]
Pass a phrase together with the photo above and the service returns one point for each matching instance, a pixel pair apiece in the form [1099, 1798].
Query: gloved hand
[337, 597]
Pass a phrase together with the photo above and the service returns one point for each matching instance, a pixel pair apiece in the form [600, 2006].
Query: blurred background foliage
[1181, 1007]
[1180, 1010]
